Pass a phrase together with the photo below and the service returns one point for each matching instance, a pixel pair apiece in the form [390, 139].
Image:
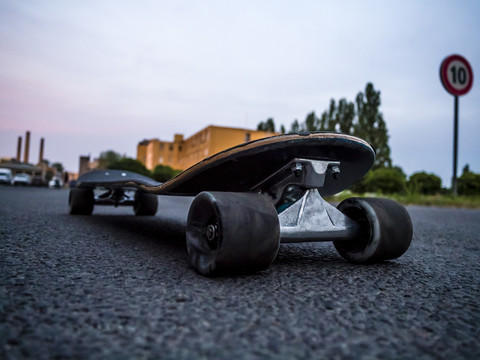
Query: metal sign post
[455, 146]
[457, 78]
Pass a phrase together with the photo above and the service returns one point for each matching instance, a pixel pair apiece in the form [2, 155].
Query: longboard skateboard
[252, 197]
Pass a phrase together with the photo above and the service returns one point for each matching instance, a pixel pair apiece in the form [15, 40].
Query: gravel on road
[116, 286]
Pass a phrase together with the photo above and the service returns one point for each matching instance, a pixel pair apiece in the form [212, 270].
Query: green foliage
[370, 125]
[268, 125]
[385, 181]
[362, 119]
[424, 183]
[295, 127]
[472, 202]
[58, 166]
[130, 165]
[108, 158]
[376, 182]
[338, 118]
[164, 173]
[161, 173]
[310, 122]
[469, 183]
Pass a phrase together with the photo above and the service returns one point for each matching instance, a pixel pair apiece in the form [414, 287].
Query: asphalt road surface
[116, 286]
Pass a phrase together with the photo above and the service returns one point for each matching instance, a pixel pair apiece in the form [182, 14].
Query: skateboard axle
[211, 232]
[212, 236]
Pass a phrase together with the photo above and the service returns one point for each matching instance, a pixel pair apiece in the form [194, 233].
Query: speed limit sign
[456, 75]
[457, 78]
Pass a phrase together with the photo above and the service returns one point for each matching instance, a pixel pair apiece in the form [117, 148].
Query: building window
[247, 137]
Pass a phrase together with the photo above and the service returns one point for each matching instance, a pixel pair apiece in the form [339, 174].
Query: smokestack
[27, 147]
[42, 145]
[19, 149]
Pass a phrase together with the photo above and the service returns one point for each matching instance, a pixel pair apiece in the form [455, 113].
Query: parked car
[5, 176]
[55, 183]
[38, 181]
[22, 179]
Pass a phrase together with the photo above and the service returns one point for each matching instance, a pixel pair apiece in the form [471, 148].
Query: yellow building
[183, 153]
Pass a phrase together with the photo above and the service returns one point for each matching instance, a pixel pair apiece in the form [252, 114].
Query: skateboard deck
[241, 168]
[253, 196]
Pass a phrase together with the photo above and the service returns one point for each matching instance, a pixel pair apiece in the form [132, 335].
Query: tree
[468, 183]
[107, 158]
[129, 164]
[327, 119]
[295, 128]
[323, 121]
[339, 118]
[268, 125]
[385, 181]
[362, 119]
[58, 166]
[311, 122]
[371, 127]
[164, 173]
[424, 183]
[344, 117]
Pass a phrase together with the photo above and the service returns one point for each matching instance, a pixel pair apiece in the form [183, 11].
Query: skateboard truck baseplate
[303, 214]
[282, 186]
[115, 197]
[314, 219]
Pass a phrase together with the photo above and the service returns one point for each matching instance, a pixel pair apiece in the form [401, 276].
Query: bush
[164, 173]
[423, 183]
[468, 184]
[130, 165]
[385, 181]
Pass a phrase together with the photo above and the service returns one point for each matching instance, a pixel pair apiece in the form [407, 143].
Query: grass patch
[447, 200]
[472, 202]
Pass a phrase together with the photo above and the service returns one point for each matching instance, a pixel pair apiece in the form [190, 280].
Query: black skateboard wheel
[81, 201]
[232, 232]
[145, 204]
[386, 230]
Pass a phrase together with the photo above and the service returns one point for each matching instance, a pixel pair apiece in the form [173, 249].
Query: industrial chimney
[27, 147]
[42, 145]
[19, 149]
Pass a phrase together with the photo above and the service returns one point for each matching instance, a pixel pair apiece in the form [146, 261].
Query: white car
[22, 179]
[5, 176]
[55, 183]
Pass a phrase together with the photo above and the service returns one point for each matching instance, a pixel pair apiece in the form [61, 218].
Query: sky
[97, 75]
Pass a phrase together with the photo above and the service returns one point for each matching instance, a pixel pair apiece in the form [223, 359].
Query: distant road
[116, 286]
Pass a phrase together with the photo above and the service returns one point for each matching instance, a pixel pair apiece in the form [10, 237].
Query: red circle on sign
[456, 81]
